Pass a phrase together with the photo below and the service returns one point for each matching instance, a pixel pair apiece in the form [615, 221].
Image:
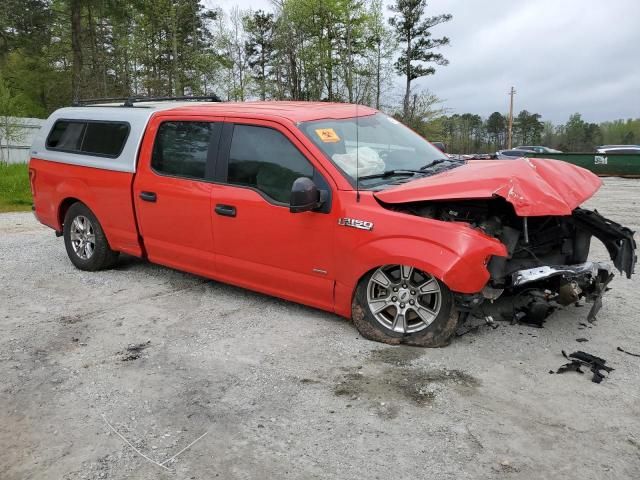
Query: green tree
[383, 45]
[259, 47]
[497, 128]
[528, 127]
[549, 135]
[575, 133]
[413, 32]
[424, 109]
[592, 137]
[24, 25]
[10, 127]
[622, 132]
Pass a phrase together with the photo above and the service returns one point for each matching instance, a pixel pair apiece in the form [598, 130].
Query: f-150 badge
[352, 222]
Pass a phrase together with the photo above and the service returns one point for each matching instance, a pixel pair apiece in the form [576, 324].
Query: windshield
[383, 147]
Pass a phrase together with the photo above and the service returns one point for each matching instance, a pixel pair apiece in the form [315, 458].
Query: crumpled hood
[534, 186]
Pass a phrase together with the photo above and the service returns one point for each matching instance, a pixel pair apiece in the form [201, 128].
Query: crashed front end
[547, 264]
[532, 206]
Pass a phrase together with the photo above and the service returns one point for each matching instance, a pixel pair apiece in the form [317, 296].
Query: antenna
[357, 155]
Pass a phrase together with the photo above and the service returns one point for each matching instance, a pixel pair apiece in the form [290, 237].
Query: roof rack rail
[130, 101]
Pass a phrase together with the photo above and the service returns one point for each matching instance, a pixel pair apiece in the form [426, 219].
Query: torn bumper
[534, 293]
[583, 271]
[588, 280]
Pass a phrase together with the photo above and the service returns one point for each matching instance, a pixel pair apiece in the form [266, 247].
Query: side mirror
[305, 196]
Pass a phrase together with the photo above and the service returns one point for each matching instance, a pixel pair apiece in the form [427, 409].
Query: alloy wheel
[83, 238]
[403, 299]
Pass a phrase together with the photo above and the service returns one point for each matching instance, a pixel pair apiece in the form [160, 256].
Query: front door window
[264, 159]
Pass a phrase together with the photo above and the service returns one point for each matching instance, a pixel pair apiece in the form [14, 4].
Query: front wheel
[400, 304]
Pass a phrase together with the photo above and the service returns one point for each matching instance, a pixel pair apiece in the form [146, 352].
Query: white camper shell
[132, 121]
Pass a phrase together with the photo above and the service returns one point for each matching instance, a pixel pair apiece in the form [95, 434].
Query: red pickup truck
[332, 205]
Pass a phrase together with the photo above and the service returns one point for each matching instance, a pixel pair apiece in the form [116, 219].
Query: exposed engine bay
[546, 267]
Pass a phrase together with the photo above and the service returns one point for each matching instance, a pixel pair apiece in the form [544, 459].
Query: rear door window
[263, 158]
[104, 139]
[182, 148]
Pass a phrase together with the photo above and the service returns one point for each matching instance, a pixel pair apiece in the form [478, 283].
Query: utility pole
[512, 92]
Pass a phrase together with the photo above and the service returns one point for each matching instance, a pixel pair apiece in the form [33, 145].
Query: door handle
[225, 210]
[148, 196]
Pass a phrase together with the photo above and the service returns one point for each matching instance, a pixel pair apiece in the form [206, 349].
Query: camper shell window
[89, 137]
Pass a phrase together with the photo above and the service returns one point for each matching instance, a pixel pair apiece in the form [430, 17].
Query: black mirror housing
[305, 196]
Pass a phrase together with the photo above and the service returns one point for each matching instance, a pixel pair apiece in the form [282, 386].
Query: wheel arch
[69, 192]
[460, 272]
[67, 202]
[63, 207]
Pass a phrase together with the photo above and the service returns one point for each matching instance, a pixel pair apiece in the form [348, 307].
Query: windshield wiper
[391, 173]
[438, 161]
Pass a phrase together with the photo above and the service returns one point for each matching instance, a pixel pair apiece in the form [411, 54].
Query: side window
[66, 136]
[103, 139]
[263, 158]
[181, 148]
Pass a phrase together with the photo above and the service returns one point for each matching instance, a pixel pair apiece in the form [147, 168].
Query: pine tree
[414, 34]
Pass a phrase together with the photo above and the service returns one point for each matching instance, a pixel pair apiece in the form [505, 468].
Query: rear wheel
[85, 241]
[400, 304]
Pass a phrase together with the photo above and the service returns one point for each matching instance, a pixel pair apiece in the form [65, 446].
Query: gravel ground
[285, 391]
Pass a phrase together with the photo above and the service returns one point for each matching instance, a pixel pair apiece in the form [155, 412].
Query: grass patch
[15, 193]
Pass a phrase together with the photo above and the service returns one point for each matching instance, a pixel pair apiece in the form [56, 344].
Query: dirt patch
[308, 381]
[70, 319]
[399, 356]
[633, 442]
[133, 351]
[417, 385]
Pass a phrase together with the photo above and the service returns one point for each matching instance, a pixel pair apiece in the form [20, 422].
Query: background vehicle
[511, 154]
[331, 205]
[523, 151]
[619, 149]
[537, 149]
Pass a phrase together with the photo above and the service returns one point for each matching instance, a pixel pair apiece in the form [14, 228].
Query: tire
[432, 327]
[85, 241]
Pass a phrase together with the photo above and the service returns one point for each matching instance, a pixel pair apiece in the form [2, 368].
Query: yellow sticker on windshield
[327, 135]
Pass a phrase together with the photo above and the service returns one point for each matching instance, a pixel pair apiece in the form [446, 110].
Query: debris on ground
[471, 324]
[532, 320]
[601, 288]
[579, 359]
[628, 353]
[134, 351]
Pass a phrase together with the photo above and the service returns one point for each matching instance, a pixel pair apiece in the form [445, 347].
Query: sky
[562, 56]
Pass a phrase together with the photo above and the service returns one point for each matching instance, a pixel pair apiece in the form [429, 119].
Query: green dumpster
[603, 164]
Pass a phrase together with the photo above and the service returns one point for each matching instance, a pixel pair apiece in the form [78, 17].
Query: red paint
[267, 248]
[304, 257]
[177, 228]
[535, 187]
[292, 112]
[105, 192]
